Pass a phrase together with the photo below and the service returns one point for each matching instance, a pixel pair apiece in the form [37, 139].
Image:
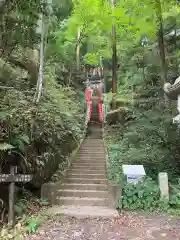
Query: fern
[5, 146]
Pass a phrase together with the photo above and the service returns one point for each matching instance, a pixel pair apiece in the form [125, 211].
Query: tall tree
[160, 37]
[114, 56]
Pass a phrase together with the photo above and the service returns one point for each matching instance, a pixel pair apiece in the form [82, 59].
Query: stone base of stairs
[83, 211]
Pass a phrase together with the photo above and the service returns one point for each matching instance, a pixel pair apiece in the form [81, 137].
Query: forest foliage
[147, 39]
[41, 135]
[36, 136]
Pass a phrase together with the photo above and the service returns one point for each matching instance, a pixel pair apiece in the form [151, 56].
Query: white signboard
[134, 173]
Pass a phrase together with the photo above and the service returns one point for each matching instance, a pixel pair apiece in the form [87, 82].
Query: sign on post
[12, 178]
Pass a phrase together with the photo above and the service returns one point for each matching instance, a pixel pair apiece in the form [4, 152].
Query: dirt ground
[125, 227]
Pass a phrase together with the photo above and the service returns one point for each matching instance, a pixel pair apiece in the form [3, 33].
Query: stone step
[86, 176]
[86, 171]
[82, 193]
[92, 149]
[96, 142]
[85, 181]
[90, 141]
[90, 167]
[96, 134]
[85, 201]
[90, 155]
[78, 186]
[91, 146]
[95, 137]
[90, 158]
[97, 146]
[84, 212]
[89, 163]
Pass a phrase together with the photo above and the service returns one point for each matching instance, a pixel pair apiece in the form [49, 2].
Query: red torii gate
[89, 94]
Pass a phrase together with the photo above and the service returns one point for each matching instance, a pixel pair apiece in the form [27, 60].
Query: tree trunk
[160, 35]
[78, 49]
[41, 63]
[114, 59]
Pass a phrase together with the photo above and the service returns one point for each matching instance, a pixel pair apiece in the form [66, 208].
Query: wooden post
[12, 178]
[13, 170]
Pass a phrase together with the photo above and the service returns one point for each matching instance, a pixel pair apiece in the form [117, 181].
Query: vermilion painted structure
[89, 94]
[95, 75]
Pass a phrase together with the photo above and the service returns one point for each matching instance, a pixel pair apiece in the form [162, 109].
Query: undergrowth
[146, 194]
[27, 225]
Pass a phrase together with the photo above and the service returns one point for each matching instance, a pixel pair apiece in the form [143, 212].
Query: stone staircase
[84, 192]
[86, 183]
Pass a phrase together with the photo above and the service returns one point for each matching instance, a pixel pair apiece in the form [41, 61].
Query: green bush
[145, 195]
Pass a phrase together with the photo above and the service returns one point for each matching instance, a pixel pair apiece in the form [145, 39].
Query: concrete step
[86, 171]
[93, 146]
[78, 186]
[86, 176]
[90, 167]
[91, 153]
[89, 164]
[96, 142]
[82, 193]
[90, 158]
[85, 181]
[95, 137]
[85, 201]
[80, 165]
[84, 211]
[92, 149]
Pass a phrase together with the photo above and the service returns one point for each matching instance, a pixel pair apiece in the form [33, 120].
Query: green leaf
[5, 146]
[24, 138]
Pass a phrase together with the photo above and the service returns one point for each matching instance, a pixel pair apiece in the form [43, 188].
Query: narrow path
[126, 227]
